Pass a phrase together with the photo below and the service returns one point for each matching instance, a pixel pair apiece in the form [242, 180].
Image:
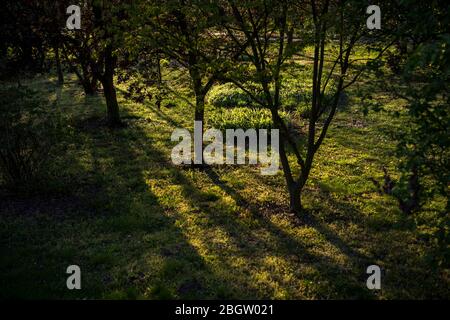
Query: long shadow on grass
[342, 283]
[134, 216]
[254, 249]
[382, 244]
[125, 243]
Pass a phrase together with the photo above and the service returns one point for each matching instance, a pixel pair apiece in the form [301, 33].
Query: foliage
[423, 147]
[424, 143]
[422, 61]
[28, 134]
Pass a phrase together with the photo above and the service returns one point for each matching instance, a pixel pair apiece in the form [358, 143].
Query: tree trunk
[296, 188]
[88, 87]
[158, 70]
[199, 103]
[112, 107]
[199, 116]
[87, 79]
[295, 202]
[58, 66]
[199, 107]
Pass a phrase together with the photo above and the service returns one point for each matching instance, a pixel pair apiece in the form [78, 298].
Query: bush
[28, 134]
[244, 118]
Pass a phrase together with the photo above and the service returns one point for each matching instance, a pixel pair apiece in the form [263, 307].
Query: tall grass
[244, 118]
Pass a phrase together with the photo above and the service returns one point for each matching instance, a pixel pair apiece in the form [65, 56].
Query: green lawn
[140, 227]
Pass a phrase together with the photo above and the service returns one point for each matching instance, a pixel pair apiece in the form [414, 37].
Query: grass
[141, 228]
[242, 118]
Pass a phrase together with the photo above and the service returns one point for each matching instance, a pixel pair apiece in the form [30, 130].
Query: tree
[51, 22]
[22, 42]
[96, 47]
[274, 32]
[422, 66]
[187, 32]
[424, 144]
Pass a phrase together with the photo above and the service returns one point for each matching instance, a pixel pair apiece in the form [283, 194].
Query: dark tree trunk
[296, 189]
[87, 79]
[295, 202]
[199, 107]
[58, 66]
[199, 116]
[412, 203]
[159, 97]
[41, 51]
[88, 87]
[112, 107]
[93, 85]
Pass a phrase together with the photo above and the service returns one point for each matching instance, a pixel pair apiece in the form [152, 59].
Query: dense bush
[28, 134]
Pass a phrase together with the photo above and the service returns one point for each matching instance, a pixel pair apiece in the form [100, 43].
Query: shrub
[27, 136]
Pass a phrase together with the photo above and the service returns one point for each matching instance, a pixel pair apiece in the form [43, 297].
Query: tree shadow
[391, 246]
[123, 239]
[355, 277]
[135, 210]
[330, 272]
[130, 242]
